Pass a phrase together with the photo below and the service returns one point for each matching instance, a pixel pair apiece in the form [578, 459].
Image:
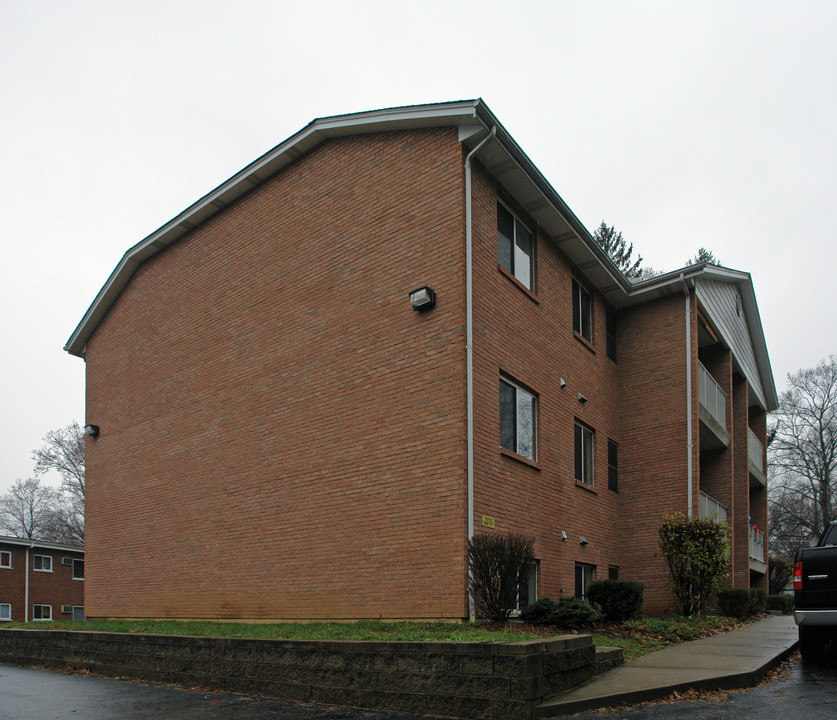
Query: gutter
[469, 345]
[26, 585]
[688, 393]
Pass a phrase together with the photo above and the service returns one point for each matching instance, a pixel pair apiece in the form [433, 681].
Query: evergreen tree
[618, 249]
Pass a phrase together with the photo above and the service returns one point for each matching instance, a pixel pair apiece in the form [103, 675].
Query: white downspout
[469, 345]
[26, 587]
[688, 393]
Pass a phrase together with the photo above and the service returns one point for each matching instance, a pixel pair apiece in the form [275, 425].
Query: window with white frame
[582, 311]
[527, 593]
[5, 559]
[5, 611]
[584, 575]
[518, 410]
[584, 436]
[43, 563]
[78, 612]
[515, 247]
[42, 612]
[78, 569]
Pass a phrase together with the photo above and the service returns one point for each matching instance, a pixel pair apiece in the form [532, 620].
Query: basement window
[6, 611]
[42, 612]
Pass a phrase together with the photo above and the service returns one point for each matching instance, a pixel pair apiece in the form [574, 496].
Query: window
[517, 419]
[515, 247]
[43, 563]
[78, 612]
[613, 572]
[612, 466]
[583, 453]
[42, 612]
[528, 593]
[610, 331]
[582, 312]
[584, 575]
[5, 611]
[5, 559]
[78, 569]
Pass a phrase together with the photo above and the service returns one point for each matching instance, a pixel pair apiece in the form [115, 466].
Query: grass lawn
[636, 637]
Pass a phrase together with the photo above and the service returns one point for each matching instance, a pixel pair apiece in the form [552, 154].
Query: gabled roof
[502, 157]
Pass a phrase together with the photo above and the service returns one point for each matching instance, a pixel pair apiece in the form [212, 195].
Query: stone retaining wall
[502, 681]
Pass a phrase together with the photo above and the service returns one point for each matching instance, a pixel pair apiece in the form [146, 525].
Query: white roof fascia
[25, 542]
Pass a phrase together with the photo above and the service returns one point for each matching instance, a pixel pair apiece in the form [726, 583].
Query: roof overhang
[40, 544]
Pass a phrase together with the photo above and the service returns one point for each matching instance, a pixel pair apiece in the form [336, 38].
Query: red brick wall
[54, 588]
[529, 337]
[281, 434]
[653, 449]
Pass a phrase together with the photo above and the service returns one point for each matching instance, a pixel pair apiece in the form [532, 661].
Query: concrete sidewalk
[731, 660]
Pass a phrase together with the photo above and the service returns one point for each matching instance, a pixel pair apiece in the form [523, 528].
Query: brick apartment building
[40, 580]
[280, 434]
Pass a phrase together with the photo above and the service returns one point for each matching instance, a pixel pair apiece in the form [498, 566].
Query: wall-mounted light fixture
[423, 298]
[581, 398]
[563, 535]
[91, 430]
[582, 540]
[563, 383]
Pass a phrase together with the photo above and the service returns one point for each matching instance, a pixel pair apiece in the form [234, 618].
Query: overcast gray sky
[709, 123]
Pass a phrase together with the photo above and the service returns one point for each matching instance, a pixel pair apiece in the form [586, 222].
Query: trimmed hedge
[617, 600]
[568, 613]
[783, 603]
[741, 602]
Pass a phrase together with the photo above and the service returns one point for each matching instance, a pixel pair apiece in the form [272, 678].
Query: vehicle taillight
[797, 576]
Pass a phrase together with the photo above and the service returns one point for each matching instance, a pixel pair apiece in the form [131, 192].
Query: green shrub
[783, 603]
[573, 613]
[758, 601]
[568, 613]
[617, 600]
[696, 550]
[734, 602]
[499, 568]
[538, 610]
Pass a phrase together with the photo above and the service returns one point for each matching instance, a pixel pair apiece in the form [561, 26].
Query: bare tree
[63, 452]
[29, 510]
[803, 458]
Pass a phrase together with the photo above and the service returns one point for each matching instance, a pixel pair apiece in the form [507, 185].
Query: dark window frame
[582, 311]
[584, 453]
[510, 426]
[512, 238]
[612, 465]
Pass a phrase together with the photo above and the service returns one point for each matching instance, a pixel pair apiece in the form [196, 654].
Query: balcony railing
[756, 544]
[710, 507]
[756, 450]
[711, 396]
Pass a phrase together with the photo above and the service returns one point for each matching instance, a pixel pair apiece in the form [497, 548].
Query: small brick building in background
[283, 435]
[40, 580]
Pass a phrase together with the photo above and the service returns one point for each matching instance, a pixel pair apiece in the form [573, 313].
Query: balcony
[711, 508]
[757, 562]
[712, 410]
[755, 452]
